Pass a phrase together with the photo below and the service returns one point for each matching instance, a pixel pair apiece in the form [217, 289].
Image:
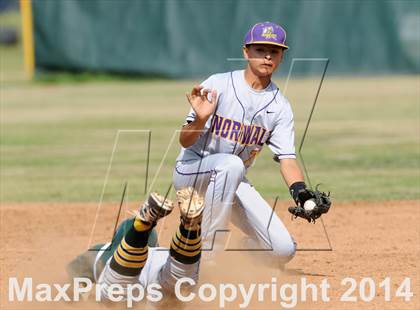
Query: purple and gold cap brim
[269, 43]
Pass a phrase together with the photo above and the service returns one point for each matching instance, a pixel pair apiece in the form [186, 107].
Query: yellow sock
[139, 225]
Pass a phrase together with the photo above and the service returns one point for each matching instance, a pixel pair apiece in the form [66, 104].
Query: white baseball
[309, 204]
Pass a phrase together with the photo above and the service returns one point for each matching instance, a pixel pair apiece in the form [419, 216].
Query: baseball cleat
[191, 206]
[154, 208]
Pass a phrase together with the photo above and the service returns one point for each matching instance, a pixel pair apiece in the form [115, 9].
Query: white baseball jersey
[245, 119]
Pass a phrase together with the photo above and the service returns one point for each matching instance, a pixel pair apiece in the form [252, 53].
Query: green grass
[57, 138]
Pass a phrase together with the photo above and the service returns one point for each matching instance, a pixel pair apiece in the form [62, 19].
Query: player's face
[263, 59]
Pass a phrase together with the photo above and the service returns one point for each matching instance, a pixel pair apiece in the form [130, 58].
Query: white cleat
[154, 208]
[191, 206]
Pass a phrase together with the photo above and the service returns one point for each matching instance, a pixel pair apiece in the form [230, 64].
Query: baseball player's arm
[203, 108]
[293, 176]
[190, 132]
[291, 171]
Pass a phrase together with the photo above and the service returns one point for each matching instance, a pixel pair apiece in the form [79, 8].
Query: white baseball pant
[220, 178]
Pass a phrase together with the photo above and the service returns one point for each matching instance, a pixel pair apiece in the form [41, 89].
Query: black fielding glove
[301, 194]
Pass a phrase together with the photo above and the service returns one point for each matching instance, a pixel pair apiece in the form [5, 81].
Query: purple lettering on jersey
[217, 123]
[236, 131]
[260, 139]
[255, 135]
[226, 128]
[234, 134]
[241, 133]
[247, 134]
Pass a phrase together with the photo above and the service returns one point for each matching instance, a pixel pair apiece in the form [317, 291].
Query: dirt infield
[375, 240]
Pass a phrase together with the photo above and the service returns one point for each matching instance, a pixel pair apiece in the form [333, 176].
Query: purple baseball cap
[266, 33]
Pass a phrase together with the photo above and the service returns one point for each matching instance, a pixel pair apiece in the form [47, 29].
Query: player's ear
[245, 52]
[282, 55]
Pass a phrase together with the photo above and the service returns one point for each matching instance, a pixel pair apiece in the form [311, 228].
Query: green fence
[196, 38]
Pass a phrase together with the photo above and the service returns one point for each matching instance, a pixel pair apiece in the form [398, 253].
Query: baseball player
[232, 116]
[133, 260]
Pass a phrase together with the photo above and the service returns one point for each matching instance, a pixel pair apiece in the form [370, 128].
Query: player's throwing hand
[200, 103]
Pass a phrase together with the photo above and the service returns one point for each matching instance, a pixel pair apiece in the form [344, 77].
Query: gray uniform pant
[220, 178]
